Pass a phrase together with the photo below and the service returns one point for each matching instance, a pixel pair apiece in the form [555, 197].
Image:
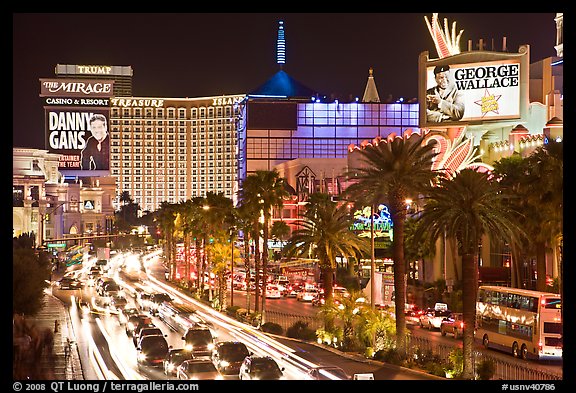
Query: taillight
[461, 325]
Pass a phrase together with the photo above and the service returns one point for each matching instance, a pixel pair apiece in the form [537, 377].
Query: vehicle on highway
[199, 340]
[307, 295]
[179, 316]
[136, 322]
[292, 289]
[151, 351]
[70, 283]
[228, 357]
[260, 367]
[146, 331]
[143, 300]
[126, 313]
[174, 358]
[537, 332]
[432, 319]
[273, 292]
[156, 299]
[198, 369]
[118, 303]
[453, 324]
[327, 373]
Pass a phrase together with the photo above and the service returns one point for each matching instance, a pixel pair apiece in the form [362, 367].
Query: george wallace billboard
[77, 113]
[472, 88]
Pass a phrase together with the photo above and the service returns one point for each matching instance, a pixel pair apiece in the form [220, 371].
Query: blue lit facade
[324, 130]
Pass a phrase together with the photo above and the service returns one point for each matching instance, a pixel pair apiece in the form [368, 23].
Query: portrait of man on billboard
[444, 102]
[95, 156]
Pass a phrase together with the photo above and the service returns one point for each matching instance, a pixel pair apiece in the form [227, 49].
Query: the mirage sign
[77, 113]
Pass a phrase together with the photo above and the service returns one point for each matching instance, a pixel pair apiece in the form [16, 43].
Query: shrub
[232, 310]
[271, 327]
[485, 369]
[456, 359]
[390, 355]
[301, 331]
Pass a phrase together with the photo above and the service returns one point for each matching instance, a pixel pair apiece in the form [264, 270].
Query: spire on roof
[371, 93]
[281, 45]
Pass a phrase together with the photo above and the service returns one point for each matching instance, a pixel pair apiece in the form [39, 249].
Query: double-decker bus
[526, 323]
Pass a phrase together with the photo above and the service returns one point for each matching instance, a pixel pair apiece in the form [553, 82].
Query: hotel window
[126, 112]
[194, 113]
[115, 112]
[115, 171]
[160, 113]
[171, 113]
[181, 113]
[202, 113]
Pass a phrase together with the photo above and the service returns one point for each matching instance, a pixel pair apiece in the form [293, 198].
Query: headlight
[210, 346]
[141, 356]
[188, 347]
[170, 367]
[218, 378]
[130, 326]
[224, 363]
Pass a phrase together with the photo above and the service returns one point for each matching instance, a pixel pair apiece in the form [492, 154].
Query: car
[70, 283]
[228, 357]
[126, 313]
[143, 300]
[146, 331]
[199, 340]
[136, 321]
[292, 289]
[327, 373]
[151, 351]
[307, 295]
[273, 292]
[156, 299]
[432, 319]
[118, 303]
[453, 324]
[174, 358]
[198, 369]
[260, 367]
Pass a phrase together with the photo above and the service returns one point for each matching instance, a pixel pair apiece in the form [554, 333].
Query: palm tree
[389, 172]
[265, 189]
[466, 207]
[164, 218]
[244, 222]
[324, 233]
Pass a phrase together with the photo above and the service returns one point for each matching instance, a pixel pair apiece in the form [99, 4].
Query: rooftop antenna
[281, 45]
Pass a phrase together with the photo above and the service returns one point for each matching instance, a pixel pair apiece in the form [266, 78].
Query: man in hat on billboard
[95, 155]
[444, 102]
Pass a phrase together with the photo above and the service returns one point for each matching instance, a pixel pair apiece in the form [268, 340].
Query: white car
[432, 319]
[307, 295]
[273, 292]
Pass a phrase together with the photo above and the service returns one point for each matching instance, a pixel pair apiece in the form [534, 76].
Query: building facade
[174, 149]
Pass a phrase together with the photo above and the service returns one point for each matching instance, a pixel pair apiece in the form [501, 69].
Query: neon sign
[382, 222]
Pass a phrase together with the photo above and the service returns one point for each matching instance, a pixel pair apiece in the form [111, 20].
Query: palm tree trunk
[398, 214]
[257, 272]
[469, 284]
[247, 268]
[327, 273]
[264, 268]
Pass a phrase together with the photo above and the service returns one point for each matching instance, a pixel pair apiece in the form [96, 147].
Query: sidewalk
[59, 366]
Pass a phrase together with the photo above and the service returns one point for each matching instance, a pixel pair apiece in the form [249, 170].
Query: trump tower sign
[473, 87]
[73, 108]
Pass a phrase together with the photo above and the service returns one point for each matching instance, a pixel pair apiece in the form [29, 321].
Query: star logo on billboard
[488, 103]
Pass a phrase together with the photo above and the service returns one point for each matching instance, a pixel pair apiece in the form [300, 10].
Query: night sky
[198, 55]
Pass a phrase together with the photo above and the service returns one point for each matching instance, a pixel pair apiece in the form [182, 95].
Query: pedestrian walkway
[63, 362]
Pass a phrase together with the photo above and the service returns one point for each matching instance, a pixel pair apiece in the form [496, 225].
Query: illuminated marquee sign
[471, 88]
[382, 222]
[93, 69]
[75, 88]
[67, 134]
[138, 102]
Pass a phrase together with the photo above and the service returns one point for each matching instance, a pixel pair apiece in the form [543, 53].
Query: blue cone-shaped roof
[283, 85]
